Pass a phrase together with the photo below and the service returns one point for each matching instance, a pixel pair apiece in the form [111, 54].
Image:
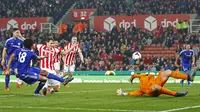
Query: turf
[95, 98]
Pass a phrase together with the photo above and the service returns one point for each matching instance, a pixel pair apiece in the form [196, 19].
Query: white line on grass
[178, 109]
[5, 96]
[80, 109]
[90, 91]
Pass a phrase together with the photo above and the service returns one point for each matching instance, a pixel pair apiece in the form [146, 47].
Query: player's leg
[55, 85]
[163, 76]
[7, 80]
[41, 84]
[70, 69]
[55, 77]
[186, 68]
[19, 81]
[65, 70]
[45, 87]
[57, 68]
[157, 90]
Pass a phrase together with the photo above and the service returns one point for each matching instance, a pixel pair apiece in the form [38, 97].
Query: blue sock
[40, 85]
[7, 80]
[55, 77]
[188, 82]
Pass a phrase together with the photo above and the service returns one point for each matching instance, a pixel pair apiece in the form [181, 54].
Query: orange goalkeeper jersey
[146, 82]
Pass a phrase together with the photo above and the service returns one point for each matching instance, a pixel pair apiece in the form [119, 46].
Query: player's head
[16, 32]
[50, 42]
[187, 47]
[28, 43]
[55, 43]
[74, 40]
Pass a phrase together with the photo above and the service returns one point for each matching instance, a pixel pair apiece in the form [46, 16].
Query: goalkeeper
[154, 86]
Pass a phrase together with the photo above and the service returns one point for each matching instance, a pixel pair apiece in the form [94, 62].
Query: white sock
[51, 89]
[19, 81]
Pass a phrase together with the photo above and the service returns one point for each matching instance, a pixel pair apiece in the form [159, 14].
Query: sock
[51, 90]
[69, 76]
[7, 80]
[178, 75]
[19, 81]
[40, 86]
[55, 77]
[167, 91]
[188, 82]
[46, 84]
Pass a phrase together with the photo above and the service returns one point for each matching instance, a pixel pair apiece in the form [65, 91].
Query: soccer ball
[136, 55]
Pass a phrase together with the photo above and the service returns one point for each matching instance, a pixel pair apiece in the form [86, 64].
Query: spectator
[149, 41]
[196, 51]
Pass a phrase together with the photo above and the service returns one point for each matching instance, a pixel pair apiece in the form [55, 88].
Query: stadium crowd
[108, 50]
[113, 50]
[135, 7]
[34, 8]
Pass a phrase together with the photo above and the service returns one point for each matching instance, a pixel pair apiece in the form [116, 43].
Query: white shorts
[57, 66]
[69, 68]
[52, 82]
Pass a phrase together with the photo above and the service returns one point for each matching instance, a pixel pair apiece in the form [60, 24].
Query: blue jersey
[186, 56]
[24, 57]
[11, 45]
[186, 59]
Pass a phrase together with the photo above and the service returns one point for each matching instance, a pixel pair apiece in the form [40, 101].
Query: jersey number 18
[22, 57]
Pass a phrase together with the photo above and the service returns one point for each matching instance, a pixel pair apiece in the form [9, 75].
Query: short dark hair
[15, 29]
[28, 43]
[50, 38]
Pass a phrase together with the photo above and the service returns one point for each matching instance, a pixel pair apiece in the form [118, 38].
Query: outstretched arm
[133, 76]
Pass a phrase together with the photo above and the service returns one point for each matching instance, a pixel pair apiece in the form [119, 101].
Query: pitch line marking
[178, 109]
[83, 109]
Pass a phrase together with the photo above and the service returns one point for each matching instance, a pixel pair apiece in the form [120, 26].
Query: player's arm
[9, 63]
[81, 55]
[176, 62]
[65, 51]
[136, 76]
[177, 58]
[21, 37]
[193, 59]
[3, 56]
[41, 57]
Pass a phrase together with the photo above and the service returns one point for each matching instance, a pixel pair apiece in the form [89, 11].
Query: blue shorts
[30, 76]
[186, 67]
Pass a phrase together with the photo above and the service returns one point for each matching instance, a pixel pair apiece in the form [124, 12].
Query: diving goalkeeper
[153, 86]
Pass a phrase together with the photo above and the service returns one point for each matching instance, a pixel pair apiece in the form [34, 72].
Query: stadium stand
[112, 50]
[34, 8]
[135, 7]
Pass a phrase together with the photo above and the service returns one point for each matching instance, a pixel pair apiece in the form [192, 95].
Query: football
[136, 56]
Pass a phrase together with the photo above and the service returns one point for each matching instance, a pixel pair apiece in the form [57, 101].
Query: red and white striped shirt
[70, 57]
[58, 56]
[47, 63]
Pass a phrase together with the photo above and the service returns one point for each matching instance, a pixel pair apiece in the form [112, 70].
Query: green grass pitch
[97, 98]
